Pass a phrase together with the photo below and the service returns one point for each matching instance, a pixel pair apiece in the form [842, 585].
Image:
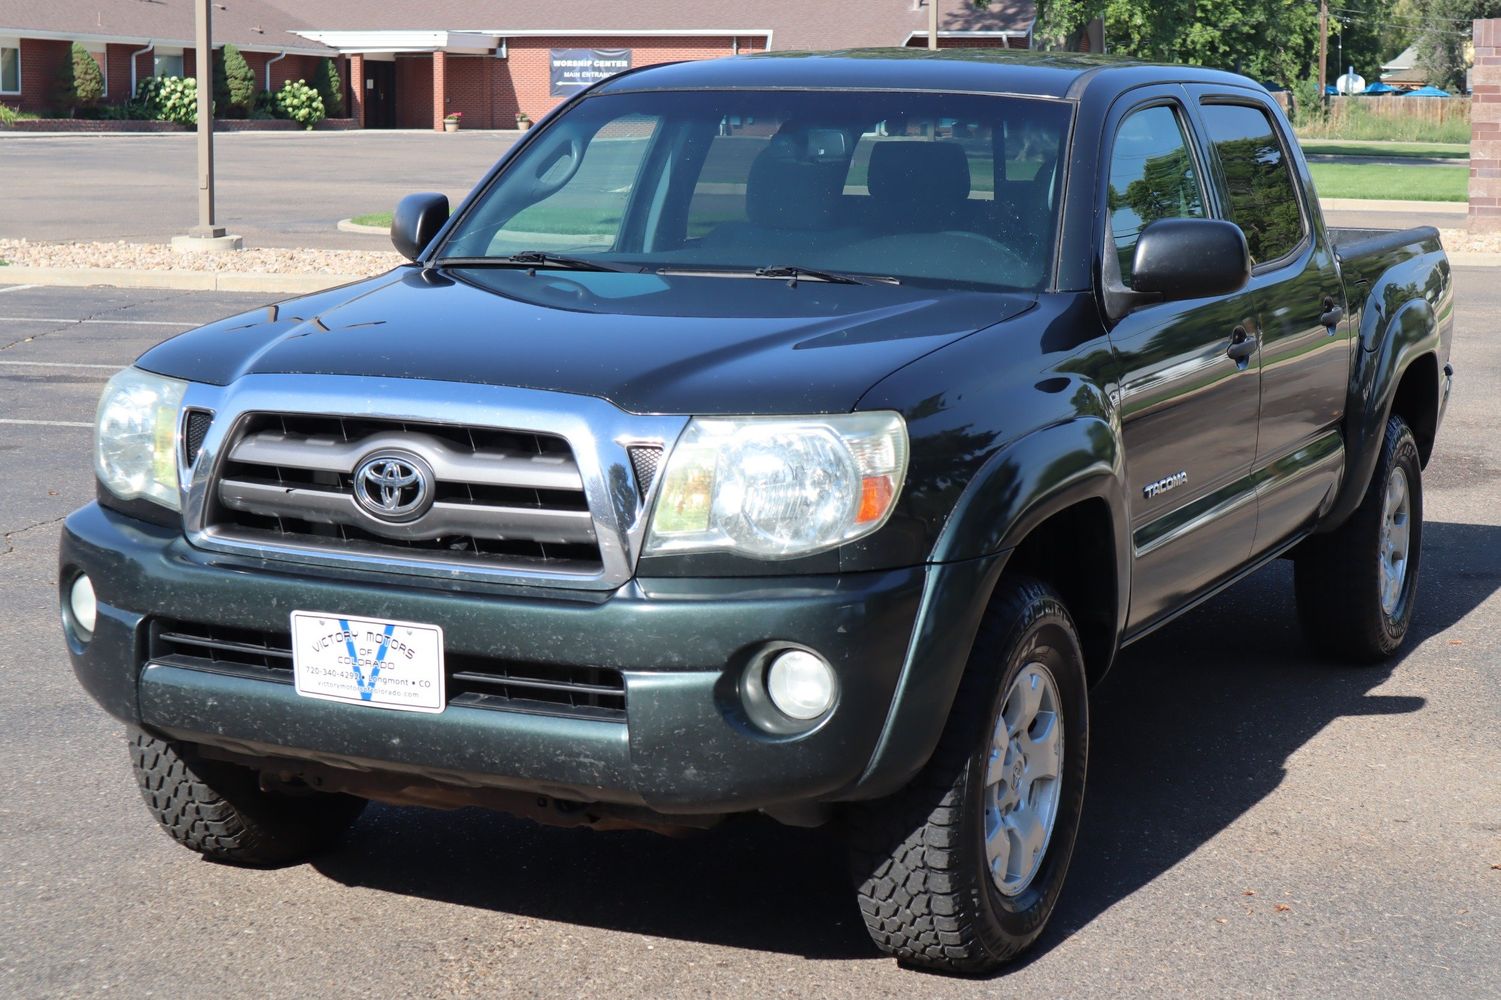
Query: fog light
[801, 685]
[82, 603]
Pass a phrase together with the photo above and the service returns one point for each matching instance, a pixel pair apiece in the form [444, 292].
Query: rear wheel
[1356, 586]
[960, 870]
[220, 810]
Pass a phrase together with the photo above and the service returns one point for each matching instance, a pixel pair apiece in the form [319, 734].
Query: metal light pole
[206, 228]
[206, 236]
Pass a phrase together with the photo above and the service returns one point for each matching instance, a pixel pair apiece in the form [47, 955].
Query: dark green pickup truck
[792, 434]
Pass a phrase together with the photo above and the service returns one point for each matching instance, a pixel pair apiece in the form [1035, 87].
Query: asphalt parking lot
[1258, 824]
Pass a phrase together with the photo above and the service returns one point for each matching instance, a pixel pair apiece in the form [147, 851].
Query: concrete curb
[1474, 258]
[195, 281]
[1418, 207]
[350, 226]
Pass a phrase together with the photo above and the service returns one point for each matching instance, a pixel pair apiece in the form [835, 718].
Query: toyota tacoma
[792, 434]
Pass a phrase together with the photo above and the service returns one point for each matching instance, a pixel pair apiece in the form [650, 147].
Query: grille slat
[500, 497]
[473, 681]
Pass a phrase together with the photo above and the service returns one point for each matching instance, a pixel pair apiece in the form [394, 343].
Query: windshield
[941, 189]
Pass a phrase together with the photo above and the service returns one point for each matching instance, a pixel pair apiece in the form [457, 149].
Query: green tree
[1444, 34]
[1275, 41]
[234, 83]
[1365, 34]
[88, 81]
[329, 87]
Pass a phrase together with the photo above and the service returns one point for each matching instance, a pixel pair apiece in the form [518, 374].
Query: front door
[380, 94]
[1189, 397]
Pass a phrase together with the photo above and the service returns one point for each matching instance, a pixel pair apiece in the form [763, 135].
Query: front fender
[1021, 486]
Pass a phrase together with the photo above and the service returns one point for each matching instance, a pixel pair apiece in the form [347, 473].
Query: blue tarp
[1379, 88]
[1427, 92]
[1331, 89]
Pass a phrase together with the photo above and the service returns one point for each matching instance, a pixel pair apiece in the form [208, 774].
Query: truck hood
[648, 343]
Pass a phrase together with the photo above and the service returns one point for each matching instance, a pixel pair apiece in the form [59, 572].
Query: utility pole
[1323, 50]
[207, 235]
[932, 24]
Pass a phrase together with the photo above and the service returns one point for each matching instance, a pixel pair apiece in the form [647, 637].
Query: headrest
[785, 192]
[919, 176]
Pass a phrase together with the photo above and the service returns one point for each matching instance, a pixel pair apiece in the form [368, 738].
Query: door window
[1263, 200]
[10, 69]
[1152, 176]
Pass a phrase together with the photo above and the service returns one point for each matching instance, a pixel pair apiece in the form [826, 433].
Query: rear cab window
[1261, 195]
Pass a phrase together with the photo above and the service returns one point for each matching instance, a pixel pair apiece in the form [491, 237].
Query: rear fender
[1396, 328]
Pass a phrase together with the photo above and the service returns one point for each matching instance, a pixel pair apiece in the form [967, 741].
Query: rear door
[1188, 407]
[1261, 186]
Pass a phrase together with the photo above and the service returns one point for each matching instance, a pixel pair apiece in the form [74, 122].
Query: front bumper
[685, 745]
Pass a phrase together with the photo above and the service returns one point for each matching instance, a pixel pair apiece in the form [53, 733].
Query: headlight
[135, 437]
[779, 487]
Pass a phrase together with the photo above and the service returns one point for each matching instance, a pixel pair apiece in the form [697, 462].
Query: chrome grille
[499, 497]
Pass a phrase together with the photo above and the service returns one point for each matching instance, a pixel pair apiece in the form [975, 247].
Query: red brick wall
[354, 89]
[119, 72]
[41, 62]
[414, 91]
[1485, 128]
[921, 42]
[291, 68]
[471, 91]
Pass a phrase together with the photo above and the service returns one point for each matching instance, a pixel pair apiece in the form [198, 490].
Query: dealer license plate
[363, 661]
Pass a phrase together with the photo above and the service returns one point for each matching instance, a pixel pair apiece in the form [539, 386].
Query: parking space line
[58, 364]
[46, 423]
[15, 288]
[94, 322]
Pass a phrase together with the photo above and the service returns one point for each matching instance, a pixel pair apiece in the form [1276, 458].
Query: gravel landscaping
[158, 257]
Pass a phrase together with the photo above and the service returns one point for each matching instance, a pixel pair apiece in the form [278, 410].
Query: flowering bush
[169, 99]
[299, 102]
[453, 116]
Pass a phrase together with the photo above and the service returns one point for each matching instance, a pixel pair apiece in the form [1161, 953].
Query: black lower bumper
[685, 744]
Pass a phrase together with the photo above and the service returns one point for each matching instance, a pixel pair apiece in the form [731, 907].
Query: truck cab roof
[1055, 75]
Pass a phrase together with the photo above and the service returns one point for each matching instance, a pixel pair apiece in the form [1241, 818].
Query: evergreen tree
[329, 87]
[234, 83]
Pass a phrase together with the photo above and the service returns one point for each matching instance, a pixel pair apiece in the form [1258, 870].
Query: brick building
[409, 66]
[132, 39]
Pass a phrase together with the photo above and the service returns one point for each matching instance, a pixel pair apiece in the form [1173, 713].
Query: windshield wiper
[793, 273]
[533, 258]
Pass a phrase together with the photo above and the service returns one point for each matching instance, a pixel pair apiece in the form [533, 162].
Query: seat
[788, 202]
[918, 185]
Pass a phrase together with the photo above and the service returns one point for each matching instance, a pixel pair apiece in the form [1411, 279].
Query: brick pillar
[440, 89]
[1485, 128]
[356, 78]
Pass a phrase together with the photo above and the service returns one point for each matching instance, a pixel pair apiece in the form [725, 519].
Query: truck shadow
[1191, 731]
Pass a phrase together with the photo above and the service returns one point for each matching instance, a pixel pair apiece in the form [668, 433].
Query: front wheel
[220, 810]
[960, 870]
[1357, 585]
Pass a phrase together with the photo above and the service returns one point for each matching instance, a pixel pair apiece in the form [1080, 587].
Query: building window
[168, 62]
[10, 69]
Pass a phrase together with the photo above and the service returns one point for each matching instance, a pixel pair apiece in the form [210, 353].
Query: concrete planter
[450, 124]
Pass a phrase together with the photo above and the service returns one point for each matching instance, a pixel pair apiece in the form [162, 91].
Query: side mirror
[417, 219]
[1190, 259]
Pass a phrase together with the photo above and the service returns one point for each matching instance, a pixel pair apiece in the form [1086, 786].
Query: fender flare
[1027, 481]
[1384, 350]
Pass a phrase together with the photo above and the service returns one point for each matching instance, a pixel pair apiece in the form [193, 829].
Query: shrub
[87, 80]
[299, 102]
[329, 87]
[169, 99]
[234, 83]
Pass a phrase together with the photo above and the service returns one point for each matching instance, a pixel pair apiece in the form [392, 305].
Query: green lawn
[373, 219]
[1388, 150]
[1390, 182]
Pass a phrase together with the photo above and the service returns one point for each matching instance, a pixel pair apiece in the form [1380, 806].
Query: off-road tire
[918, 857]
[1337, 577]
[220, 811]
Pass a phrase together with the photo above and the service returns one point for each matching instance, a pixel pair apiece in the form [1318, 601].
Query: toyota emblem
[393, 487]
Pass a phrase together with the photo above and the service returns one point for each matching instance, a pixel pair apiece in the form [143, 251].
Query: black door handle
[1242, 346]
[1333, 312]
